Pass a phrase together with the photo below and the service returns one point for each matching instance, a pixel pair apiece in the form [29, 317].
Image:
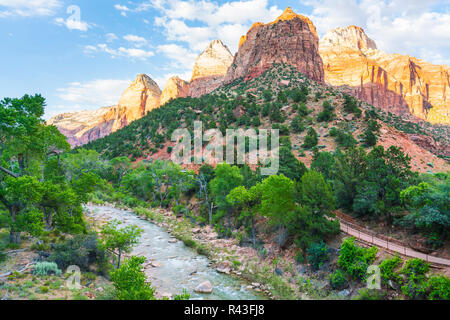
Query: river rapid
[177, 266]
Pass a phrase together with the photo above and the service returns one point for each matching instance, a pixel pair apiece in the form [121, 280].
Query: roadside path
[390, 244]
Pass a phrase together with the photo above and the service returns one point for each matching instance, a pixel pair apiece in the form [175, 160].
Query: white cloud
[227, 22]
[123, 9]
[27, 8]
[133, 53]
[180, 56]
[136, 40]
[397, 26]
[162, 80]
[111, 37]
[94, 93]
[73, 24]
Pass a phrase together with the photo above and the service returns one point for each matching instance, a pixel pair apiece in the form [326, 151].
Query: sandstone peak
[396, 83]
[175, 88]
[145, 81]
[289, 14]
[139, 98]
[214, 61]
[290, 39]
[351, 37]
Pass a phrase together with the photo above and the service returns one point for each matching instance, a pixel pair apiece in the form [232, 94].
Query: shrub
[317, 254]
[3, 256]
[46, 268]
[311, 139]
[130, 281]
[300, 258]
[184, 296]
[338, 280]
[44, 289]
[354, 259]
[81, 250]
[342, 138]
[415, 285]
[438, 288]
[387, 269]
[370, 294]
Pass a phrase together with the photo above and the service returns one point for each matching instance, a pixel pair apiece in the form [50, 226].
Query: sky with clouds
[82, 54]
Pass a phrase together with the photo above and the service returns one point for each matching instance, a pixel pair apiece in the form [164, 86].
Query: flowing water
[179, 266]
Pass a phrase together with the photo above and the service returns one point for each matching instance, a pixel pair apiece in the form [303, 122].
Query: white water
[181, 267]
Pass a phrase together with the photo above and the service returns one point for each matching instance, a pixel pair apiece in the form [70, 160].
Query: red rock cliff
[395, 83]
[290, 39]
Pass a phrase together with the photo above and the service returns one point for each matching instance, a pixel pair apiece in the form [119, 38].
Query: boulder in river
[204, 287]
[224, 267]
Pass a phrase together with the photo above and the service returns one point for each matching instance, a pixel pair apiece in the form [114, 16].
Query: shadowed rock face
[290, 39]
[395, 83]
[210, 69]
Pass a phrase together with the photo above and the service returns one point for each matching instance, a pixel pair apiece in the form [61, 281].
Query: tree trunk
[48, 217]
[210, 213]
[21, 160]
[119, 258]
[14, 236]
[253, 232]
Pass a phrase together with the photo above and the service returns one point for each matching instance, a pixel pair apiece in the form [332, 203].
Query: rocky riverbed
[171, 266]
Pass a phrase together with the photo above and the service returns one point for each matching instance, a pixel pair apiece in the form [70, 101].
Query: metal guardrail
[390, 245]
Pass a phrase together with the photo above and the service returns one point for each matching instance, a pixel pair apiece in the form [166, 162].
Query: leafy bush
[317, 254]
[370, 294]
[387, 269]
[327, 114]
[438, 287]
[338, 280]
[354, 259]
[342, 138]
[130, 281]
[311, 139]
[46, 268]
[415, 285]
[81, 250]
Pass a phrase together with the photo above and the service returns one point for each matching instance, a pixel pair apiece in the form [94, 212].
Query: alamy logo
[251, 148]
[374, 277]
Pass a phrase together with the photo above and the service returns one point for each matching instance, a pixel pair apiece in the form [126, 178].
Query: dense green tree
[429, 209]
[120, 239]
[130, 281]
[316, 193]
[121, 166]
[277, 202]
[323, 162]
[248, 202]
[289, 165]
[311, 139]
[226, 178]
[317, 254]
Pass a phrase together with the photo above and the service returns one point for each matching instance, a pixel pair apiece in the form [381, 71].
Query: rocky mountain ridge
[395, 83]
[291, 39]
[346, 58]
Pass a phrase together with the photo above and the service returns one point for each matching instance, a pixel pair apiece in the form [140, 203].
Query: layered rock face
[210, 69]
[139, 98]
[291, 39]
[395, 83]
[175, 88]
[78, 127]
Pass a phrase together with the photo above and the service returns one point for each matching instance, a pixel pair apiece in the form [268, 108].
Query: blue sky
[82, 54]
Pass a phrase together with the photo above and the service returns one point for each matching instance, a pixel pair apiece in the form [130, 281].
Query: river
[179, 267]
